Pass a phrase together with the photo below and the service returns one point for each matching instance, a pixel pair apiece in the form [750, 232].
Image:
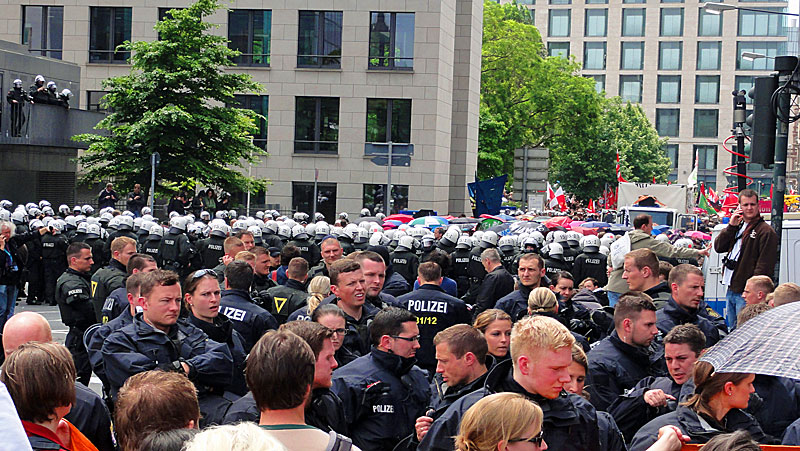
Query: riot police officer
[508, 252]
[124, 228]
[476, 270]
[175, 252]
[94, 240]
[269, 234]
[113, 276]
[54, 260]
[448, 241]
[591, 263]
[554, 263]
[460, 268]
[38, 91]
[211, 249]
[73, 294]
[404, 260]
[17, 98]
[308, 249]
[153, 242]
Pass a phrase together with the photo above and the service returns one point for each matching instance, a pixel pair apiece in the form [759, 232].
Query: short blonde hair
[497, 419]
[538, 333]
[244, 436]
[786, 293]
[246, 256]
[542, 300]
[121, 242]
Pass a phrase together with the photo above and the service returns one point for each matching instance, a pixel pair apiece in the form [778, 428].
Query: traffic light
[763, 121]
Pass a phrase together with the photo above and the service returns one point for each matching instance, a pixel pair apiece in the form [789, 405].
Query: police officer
[308, 249]
[591, 263]
[78, 233]
[35, 266]
[292, 296]
[73, 295]
[447, 243]
[113, 276]
[124, 228]
[384, 392]
[568, 254]
[153, 242]
[117, 301]
[269, 234]
[17, 98]
[508, 252]
[250, 320]
[176, 253]
[211, 249]
[54, 260]
[38, 91]
[94, 240]
[460, 268]
[347, 238]
[435, 311]
[404, 260]
[554, 263]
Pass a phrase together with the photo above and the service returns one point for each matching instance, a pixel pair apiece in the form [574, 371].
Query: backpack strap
[337, 442]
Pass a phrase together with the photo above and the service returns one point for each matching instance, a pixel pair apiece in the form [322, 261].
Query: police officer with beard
[211, 249]
[176, 253]
[591, 263]
[73, 294]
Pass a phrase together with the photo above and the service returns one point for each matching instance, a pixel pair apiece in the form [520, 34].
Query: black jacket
[11, 261]
[106, 198]
[95, 348]
[104, 282]
[615, 366]
[115, 304]
[286, 299]
[570, 422]
[222, 331]
[590, 264]
[674, 315]
[323, 412]
[211, 251]
[357, 341]
[435, 311]
[406, 264]
[515, 303]
[631, 412]
[495, 285]
[688, 421]
[660, 294]
[382, 395]
[135, 202]
[779, 406]
[250, 320]
[443, 396]
[139, 347]
[74, 300]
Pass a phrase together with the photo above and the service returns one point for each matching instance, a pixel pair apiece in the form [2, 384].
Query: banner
[487, 195]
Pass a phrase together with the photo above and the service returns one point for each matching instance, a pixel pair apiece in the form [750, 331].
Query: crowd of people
[40, 93]
[349, 336]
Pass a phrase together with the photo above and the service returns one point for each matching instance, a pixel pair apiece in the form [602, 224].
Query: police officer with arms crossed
[75, 304]
[435, 311]
[383, 392]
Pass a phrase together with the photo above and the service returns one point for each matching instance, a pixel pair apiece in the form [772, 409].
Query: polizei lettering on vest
[427, 306]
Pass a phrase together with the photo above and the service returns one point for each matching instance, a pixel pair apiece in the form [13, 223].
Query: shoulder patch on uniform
[94, 287]
[279, 303]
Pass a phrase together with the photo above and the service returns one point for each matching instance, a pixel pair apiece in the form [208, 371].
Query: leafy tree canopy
[174, 102]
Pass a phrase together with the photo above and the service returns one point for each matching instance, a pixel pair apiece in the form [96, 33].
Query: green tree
[174, 102]
[585, 161]
[527, 98]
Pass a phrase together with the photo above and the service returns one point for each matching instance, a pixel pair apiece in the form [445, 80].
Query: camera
[730, 264]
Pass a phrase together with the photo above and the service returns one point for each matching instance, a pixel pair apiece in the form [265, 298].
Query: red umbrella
[562, 221]
[398, 217]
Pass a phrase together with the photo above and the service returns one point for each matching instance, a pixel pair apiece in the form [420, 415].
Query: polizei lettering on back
[427, 306]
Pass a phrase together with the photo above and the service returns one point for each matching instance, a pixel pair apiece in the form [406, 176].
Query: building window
[634, 1]
[594, 55]
[596, 22]
[526, 2]
[109, 28]
[558, 49]
[670, 55]
[668, 121]
[42, 30]
[630, 88]
[671, 21]
[260, 105]
[316, 128]
[708, 55]
[560, 2]
[706, 89]
[391, 41]
[671, 151]
[633, 20]
[632, 56]
[769, 49]
[388, 120]
[706, 157]
[599, 82]
[319, 39]
[94, 101]
[373, 198]
[745, 83]
[595, 2]
[671, 1]
[706, 123]
[709, 24]
[559, 23]
[249, 32]
[669, 89]
[303, 198]
[762, 23]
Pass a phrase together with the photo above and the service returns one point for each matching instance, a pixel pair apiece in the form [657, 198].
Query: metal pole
[152, 181]
[739, 117]
[249, 174]
[316, 177]
[387, 196]
[524, 200]
[785, 66]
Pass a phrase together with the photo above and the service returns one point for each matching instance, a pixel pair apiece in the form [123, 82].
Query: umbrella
[497, 218]
[696, 234]
[488, 223]
[523, 226]
[506, 217]
[595, 225]
[466, 220]
[430, 222]
[577, 223]
[562, 221]
[402, 218]
[767, 344]
[391, 224]
[501, 229]
[369, 219]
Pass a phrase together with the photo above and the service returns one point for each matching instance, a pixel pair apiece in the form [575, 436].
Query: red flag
[654, 179]
[590, 208]
[770, 191]
[619, 171]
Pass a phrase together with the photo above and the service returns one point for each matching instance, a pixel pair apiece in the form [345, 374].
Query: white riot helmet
[350, 231]
[606, 240]
[537, 235]
[684, 243]
[18, 216]
[299, 232]
[343, 215]
[322, 230]
[604, 250]
[662, 237]
[147, 211]
[93, 230]
[156, 230]
[560, 237]
[239, 225]
[5, 215]
[219, 228]
[178, 222]
[88, 210]
[365, 212]
[378, 239]
[405, 243]
[125, 222]
[474, 241]
[36, 224]
[451, 236]
[44, 203]
[591, 243]
[17, 83]
[506, 244]
[256, 231]
[362, 236]
[83, 228]
[271, 226]
[319, 217]
[39, 78]
[62, 209]
[574, 238]
[463, 242]
[311, 229]
[7, 204]
[556, 249]
[48, 211]
[57, 226]
[285, 232]
[380, 216]
[489, 239]
[113, 224]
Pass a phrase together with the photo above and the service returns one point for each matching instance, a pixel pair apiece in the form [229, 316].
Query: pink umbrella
[398, 217]
[696, 234]
[574, 224]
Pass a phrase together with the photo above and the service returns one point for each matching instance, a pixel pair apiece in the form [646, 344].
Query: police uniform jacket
[435, 311]
[175, 252]
[459, 270]
[674, 315]
[406, 264]
[699, 428]
[443, 395]
[250, 320]
[590, 264]
[569, 257]
[324, 412]
[309, 251]
[286, 299]
[495, 285]
[552, 266]
[630, 410]
[115, 304]
[91, 416]
[357, 339]
[615, 366]
[382, 300]
[139, 347]
[395, 284]
[660, 293]
[95, 348]
[105, 281]
[221, 331]
[515, 303]
[570, 422]
[211, 250]
[74, 299]
[151, 246]
[97, 253]
[54, 247]
[382, 395]
[779, 403]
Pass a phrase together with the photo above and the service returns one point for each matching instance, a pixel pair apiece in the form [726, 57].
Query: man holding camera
[750, 243]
